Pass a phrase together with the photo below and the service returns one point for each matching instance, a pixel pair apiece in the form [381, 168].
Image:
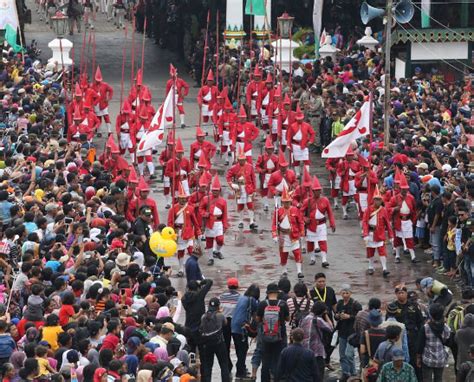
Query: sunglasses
[398, 290]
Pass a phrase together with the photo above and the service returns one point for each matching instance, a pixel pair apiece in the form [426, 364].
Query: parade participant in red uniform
[123, 127]
[365, 180]
[131, 189]
[73, 130]
[314, 210]
[303, 190]
[226, 129]
[332, 165]
[121, 170]
[287, 230]
[348, 168]
[273, 112]
[217, 111]
[77, 101]
[198, 195]
[299, 136]
[136, 92]
[252, 92]
[178, 169]
[245, 133]
[264, 100]
[109, 157]
[374, 225]
[207, 97]
[267, 164]
[143, 190]
[105, 94]
[183, 219]
[201, 147]
[165, 156]
[146, 103]
[139, 128]
[402, 209]
[182, 90]
[281, 178]
[286, 120]
[241, 179]
[202, 169]
[89, 122]
[213, 209]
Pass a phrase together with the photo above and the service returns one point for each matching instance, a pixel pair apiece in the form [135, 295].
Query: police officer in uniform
[314, 114]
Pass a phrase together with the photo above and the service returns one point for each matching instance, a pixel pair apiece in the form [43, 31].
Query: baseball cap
[214, 303]
[397, 354]
[345, 287]
[169, 326]
[232, 282]
[146, 211]
[423, 166]
[176, 362]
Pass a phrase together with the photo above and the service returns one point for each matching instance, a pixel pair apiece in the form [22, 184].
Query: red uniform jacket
[301, 193]
[135, 94]
[287, 118]
[150, 110]
[383, 224]
[196, 176]
[274, 111]
[208, 149]
[252, 87]
[179, 165]
[261, 96]
[92, 120]
[91, 95]
[134, 209]
[72, 131]
[121, 119]
[207, 207]
[217, 111]
[307, 133]
[203, 92]
[359, 180]
[227, 121]
[136, 127]
[72, 106]
[262, 163]
[247, 172]
[190, 227]
[276, 178]
[195, 200]
[295, 219]
[105, 93]
[396, 216]
[332, 165]
[343, 168]
[182, 88]
[308, 210]
[250, 133]
[165, 156]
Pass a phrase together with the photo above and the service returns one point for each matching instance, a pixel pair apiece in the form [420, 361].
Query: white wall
[429, 51]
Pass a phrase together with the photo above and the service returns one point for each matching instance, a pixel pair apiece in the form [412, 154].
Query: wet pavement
[251, 256]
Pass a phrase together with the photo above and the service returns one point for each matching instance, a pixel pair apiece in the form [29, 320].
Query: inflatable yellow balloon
[164, 245]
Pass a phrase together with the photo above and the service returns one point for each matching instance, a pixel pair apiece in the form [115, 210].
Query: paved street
[250, 256]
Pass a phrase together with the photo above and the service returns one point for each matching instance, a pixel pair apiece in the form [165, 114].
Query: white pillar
[264, 23]
[234, 19]
[284, 48]
[59, 48]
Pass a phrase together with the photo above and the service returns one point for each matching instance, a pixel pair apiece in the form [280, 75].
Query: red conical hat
[143, 112]
[285, 195]
[256, 71]
[200, 132]
[179, 146]
[397, 176]
[224, 92]
[132, 177]
[306, 177]
[203, 162]
[216, 185]
[269, 78]
[98, 74]
[316, 185]
[112, 145]
[139, 77]
[403, 182]
[268, 142]
[181, 192]
[77, 113]
[126, 107]
[121, 164]
[77, 91]
[350, 152]
[286, 100]
[277, 91]
[143, 185]
[241, 153]
[282, 160]
[204, 180]
[227, 105]
[210, 75]
[299, 114]
[242, 113]
[364, 162]
[146, 95]
[376, 193]
[86, 104]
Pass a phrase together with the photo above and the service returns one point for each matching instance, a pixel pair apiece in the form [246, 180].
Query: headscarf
[161, 353]
[31, 335]
[17, 358]
[132, 364]
[183, 356]
[163, 312]
[144, 375]
[93, 357]
[99, 373]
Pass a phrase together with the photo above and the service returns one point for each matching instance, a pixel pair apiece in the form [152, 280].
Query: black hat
[272, 288]
[214, 303]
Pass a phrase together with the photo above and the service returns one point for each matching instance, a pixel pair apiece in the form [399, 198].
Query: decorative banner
[255, 7]
[425, 13]
[317, 23]
[8, 14]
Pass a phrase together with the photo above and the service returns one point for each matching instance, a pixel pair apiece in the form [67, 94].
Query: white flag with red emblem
[162, 120]
[356, 128]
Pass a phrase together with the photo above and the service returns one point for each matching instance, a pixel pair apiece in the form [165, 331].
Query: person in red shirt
[112, 339]
[105, 93]
[267, 163]
[207, 97]
[348, 168]
[300, 136]
[182, 90]
[252, 92]
[67, 311]
[201, 147]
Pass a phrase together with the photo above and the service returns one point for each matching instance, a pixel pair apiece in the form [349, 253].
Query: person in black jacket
[193, 303]
[296, 363]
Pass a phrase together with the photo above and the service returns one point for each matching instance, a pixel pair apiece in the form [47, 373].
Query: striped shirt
[228, 302]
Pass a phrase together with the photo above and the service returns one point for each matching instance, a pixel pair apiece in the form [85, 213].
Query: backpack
[455, 318]
[271, 323]
[211, 329]
[299, 314]
[470, 374]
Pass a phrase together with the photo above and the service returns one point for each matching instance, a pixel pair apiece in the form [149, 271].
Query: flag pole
[132, 71]
[217, 49]
[143, 45]
[204, 59]
[123, 67]
[173, 184]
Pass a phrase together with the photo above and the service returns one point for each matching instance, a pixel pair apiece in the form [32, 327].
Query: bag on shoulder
[298, 315]
[455, 318]
[210, 328]
[271, 323]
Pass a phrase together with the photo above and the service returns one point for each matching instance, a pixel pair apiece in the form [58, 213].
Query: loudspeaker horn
[367, 12]
[403, 11]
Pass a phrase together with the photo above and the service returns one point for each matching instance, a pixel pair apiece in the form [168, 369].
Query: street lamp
[285, 24]
[60, 45]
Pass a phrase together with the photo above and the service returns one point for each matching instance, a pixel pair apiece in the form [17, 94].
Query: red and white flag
[322, 39]
[356, 128]
[162, 120]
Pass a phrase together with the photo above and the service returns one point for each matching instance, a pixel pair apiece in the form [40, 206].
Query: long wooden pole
[123, 67]
[143, 46]
[203, 71]
[132, 72]
[217, 49]
[388, 44]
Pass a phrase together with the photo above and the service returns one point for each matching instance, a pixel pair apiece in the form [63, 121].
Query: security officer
[314, 114]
